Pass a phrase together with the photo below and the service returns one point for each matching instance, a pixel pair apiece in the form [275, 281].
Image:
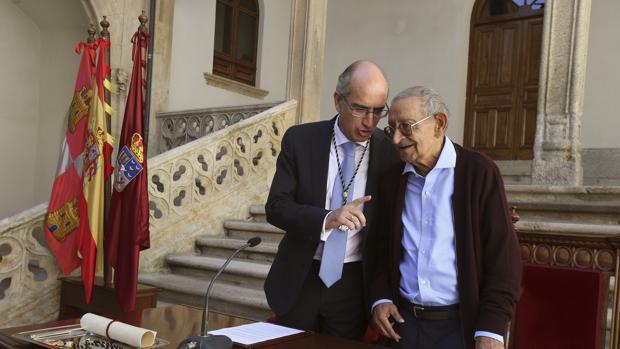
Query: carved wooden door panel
[528, 99]
[502, 96]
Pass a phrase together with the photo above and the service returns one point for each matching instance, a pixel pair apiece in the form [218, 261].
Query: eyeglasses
[361, 111]
[406, 128]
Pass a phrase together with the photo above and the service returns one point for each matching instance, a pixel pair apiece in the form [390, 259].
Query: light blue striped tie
[336, 244]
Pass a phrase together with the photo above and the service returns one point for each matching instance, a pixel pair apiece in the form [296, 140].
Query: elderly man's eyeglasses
[405, 128]
[361, 111]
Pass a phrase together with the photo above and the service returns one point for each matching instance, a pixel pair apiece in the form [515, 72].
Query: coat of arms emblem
[79, 107]
[94, 142]
[63, 221]
[129, 162]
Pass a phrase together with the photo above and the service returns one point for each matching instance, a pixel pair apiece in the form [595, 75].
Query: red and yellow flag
[96, 170]
[128, 231]
[64, 218]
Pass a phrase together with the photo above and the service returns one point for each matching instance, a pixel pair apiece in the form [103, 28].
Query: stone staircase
[515, 171]
[239, 289]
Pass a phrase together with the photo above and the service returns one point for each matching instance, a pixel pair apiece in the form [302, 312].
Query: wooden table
[73, 302]
[176, 323]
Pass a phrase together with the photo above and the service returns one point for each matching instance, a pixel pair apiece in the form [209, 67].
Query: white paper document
[255, 333]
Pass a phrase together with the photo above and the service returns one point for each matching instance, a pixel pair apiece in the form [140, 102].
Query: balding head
[360, 73]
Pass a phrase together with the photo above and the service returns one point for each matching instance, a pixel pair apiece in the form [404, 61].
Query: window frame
[227, 64]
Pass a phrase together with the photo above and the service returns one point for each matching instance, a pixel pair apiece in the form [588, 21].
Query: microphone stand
[205, 340]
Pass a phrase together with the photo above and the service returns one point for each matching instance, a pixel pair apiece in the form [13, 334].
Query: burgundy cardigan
[487, 250]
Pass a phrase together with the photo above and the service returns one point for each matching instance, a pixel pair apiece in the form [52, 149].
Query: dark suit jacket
[296, 204]
[487, 251]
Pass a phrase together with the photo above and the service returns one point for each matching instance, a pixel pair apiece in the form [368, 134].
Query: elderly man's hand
[381, 318]
[348, 215]
[488, 343]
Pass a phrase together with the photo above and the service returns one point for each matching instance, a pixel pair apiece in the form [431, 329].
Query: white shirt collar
[447, 158]
[341, 138]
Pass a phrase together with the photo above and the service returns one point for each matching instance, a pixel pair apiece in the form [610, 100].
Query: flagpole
[149, 70]
[105, 35]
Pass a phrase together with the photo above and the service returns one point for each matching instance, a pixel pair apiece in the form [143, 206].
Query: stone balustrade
[192, 188]
[29, 289]
[180, 127]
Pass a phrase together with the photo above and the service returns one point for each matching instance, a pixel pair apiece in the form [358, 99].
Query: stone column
[162, 57]
[557, 147]
[305, 63]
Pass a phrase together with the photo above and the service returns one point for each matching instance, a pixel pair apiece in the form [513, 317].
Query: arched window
[510, 8]
[236, 37]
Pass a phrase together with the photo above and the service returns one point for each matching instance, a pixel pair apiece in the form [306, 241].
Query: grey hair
[344, 79]
[431, 99]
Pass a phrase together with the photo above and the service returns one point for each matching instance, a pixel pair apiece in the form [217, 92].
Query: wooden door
[502, 94]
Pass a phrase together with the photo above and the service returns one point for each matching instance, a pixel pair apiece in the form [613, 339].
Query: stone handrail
[29, 290]
[192, 189]
[181, 127]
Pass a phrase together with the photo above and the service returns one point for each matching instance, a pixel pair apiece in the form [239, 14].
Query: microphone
[205, 340]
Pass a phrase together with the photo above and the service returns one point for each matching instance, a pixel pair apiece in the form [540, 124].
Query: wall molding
[234, 86]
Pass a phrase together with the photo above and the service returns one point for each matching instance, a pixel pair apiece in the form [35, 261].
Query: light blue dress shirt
[428, 268]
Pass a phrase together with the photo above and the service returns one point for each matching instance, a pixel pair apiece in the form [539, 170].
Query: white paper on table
[118, 331]
[255, 332]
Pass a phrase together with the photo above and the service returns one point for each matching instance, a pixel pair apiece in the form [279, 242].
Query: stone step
[567, 228]
[570, 212]
[582, 205]
[239, 229]
[227, 298]
[224, 247]
[515, 171]
[243, 273]
[258, 213]
[550, 193]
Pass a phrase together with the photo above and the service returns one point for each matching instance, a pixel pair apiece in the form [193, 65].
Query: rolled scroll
[118, 331]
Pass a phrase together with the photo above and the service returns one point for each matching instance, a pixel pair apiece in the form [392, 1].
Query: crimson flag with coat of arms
[128, 221]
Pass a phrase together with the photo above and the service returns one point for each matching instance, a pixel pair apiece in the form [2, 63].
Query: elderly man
[449, 270]
[316, 281]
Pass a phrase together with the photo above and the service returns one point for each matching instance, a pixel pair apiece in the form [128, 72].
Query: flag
[65, 221]
[128, 229]
[96, 169]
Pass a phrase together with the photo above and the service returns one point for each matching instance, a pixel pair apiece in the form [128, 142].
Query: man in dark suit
[321, 195]
[448, 262]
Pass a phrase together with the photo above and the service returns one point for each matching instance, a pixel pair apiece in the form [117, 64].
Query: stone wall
[38, 66]
[408, 42]
[600, 166]
[193, 36]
